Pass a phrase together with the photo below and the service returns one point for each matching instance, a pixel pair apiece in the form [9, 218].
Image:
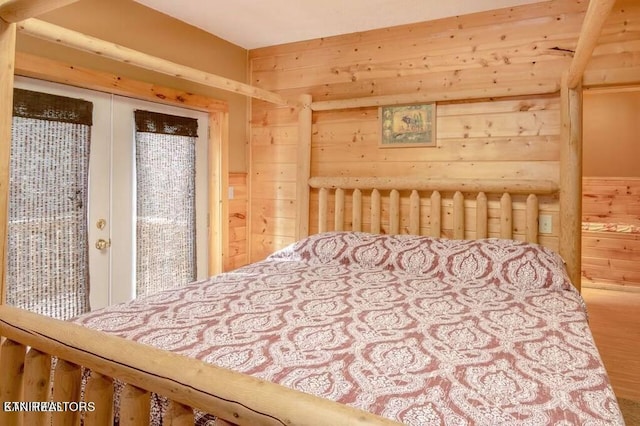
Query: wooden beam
[7, 63]
[437, 96]
[18, 10]
[571, 179]
[597, 14]
[86, 43]
[72, 75]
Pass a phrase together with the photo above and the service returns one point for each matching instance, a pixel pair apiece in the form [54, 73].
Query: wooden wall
[525, 47]
[236, 252]
[609, 257]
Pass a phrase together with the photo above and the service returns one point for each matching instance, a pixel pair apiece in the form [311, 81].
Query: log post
[458, 216]
[66, 379]
[135, 406]
[99, 390]
[339, 210]
[414, 213]
[481, 216]
[394, 212]
[303, 172]
[356, 210]
[436, 220]
[11, 379]
[7, 65]
[506, 217]
[570, 245]
[37, 374]
[532, 219]
[375, 212]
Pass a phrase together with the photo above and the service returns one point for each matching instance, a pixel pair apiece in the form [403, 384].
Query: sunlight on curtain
[165, 187]
[47, 260]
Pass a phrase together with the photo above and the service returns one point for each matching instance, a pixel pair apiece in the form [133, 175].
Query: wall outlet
[545, 224]
[231, 194]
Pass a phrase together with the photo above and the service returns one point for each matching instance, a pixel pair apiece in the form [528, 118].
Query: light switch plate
[545, 224]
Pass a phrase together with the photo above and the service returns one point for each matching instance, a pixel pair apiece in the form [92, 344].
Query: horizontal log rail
[512, 186]
[522, 89]
[77, 40]
[13, 11]
[235, 397]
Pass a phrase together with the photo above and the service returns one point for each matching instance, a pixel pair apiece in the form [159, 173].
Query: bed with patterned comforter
[421, 330]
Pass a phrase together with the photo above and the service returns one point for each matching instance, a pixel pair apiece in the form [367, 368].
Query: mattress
[420, 330]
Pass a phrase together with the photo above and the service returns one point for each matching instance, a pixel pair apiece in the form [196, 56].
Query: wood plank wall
[236, 254]
[508, 138]
[607, 257]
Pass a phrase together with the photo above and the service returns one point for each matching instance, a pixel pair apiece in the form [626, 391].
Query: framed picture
[408, 125]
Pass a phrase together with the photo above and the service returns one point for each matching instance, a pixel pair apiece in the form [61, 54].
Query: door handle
[103, 244]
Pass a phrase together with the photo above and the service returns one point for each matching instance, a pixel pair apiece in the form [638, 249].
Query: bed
[488, 343]
[418, 330]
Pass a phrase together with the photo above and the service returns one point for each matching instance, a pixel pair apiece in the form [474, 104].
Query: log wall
[611, 257]
[514, 50]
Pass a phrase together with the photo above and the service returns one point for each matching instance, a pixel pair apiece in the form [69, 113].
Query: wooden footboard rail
[31, 341]
[480, 189]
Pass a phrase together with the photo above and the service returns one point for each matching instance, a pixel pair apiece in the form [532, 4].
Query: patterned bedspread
[421, 330]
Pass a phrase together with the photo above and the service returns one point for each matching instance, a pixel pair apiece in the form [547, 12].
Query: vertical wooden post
[7, 65]
[218, 190]
[394, 212]
[99, 390]
[178, 415]
[571, 179]
[414, 213]
[481, 216]
[436, 220]
[135, 406]
[532, 219]
[66, 388]
[322, 209]
[303, 172]
[37, 372]
[339, 210]
[375, 212]
[356, 210]
[11, 379]
[506, 216]
[458, 216]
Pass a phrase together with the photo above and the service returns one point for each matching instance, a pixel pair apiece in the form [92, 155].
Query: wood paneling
[494, 138]
[612, 258]
[238, 211]
[611, 200]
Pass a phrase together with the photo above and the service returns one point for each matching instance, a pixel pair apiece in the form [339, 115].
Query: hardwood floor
[614, 318]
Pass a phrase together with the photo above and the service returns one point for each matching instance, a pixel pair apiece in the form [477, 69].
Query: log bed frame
[29, 341]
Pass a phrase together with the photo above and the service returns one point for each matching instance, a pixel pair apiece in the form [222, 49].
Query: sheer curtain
[47, 261]
[165, 205]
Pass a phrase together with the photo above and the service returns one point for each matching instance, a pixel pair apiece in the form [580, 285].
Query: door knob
[103, 244]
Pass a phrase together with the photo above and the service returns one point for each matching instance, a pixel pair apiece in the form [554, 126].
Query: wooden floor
[614, 317]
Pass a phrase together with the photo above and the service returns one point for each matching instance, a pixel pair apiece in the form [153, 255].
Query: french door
[112, 230]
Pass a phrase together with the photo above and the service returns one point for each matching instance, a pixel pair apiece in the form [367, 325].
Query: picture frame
[408, 125]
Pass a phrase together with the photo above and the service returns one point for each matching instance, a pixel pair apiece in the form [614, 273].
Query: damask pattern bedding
[421, 330]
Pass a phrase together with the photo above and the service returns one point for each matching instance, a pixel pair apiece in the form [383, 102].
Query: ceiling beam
[86, 43]
[18, 10]
[594, 20]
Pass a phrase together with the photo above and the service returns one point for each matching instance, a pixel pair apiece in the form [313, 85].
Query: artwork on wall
[408, 125]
